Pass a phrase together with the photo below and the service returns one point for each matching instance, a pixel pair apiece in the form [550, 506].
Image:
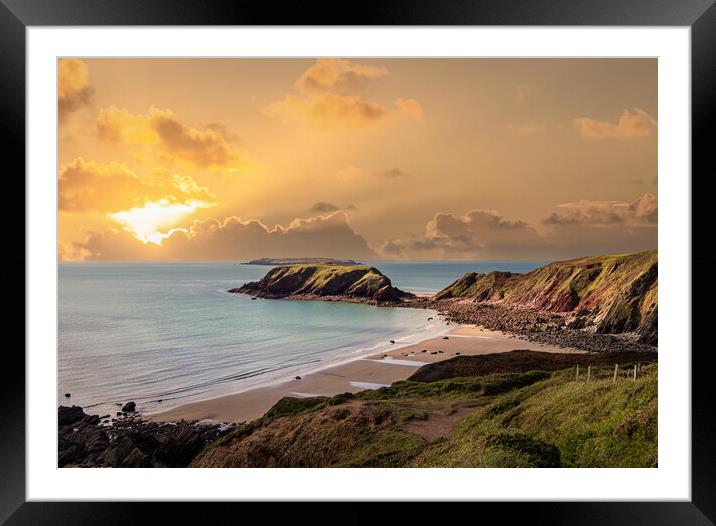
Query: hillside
[611, 294]
[311, 281]
[533, 419]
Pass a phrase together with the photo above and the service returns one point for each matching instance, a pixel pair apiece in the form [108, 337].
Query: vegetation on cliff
[357, 282]
[533, 419]
[476, 411]
[612, 294]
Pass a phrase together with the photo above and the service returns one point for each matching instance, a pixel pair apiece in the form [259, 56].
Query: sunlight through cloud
[154, 221]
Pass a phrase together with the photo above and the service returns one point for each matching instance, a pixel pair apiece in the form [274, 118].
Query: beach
[370, 372]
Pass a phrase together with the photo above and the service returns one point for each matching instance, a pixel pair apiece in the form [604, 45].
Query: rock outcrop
[318, 281]
[130, 442]
[609, 294]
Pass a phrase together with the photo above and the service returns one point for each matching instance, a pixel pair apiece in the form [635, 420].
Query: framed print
[425, 247]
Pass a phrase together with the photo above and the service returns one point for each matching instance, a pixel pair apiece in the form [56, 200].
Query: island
[355, 283]
[294, 261]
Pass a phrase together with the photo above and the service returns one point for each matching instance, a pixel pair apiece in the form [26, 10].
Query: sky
[415, 159]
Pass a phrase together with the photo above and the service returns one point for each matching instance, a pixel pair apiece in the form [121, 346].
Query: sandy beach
[370, 372]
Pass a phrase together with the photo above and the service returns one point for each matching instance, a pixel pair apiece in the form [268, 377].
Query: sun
[153, 222]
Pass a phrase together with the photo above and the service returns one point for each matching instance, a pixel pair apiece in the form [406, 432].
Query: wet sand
[366, 373]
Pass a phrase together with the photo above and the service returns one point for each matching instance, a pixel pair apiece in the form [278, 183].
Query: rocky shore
[582, 300]
[559, 329]
[129, 441]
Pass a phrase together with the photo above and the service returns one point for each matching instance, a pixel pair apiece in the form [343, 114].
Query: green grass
[289, 406]
[592, 424]
[388, 447]
[534, 419]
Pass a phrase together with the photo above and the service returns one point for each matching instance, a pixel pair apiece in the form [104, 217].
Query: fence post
[589, 372]
[577, 378]
[616, 370]
[635, 373]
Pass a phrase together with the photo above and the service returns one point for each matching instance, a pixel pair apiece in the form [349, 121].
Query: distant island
[298, 261]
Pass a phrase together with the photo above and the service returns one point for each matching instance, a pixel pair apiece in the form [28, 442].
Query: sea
[165, 334]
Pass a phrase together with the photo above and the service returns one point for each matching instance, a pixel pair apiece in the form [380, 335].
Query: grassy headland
[533, 419]
[325, 281]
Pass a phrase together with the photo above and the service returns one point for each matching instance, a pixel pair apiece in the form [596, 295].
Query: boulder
[69, 415]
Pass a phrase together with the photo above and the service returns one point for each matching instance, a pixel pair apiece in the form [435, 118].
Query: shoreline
[370, 371]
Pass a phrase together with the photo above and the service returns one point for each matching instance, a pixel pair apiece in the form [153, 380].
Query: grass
[533, 419]
[388, 447]
[454, 387]
[592, 424]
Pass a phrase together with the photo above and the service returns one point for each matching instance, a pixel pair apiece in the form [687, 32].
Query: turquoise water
[163, 334]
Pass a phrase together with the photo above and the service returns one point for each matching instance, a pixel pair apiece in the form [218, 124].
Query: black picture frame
[699, 15]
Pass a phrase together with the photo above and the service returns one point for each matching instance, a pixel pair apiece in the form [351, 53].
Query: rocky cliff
[309, 281]
[611, 294]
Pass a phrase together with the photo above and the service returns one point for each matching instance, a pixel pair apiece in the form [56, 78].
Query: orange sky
[230, 159]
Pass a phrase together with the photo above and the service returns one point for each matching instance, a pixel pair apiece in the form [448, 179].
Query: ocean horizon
[164, 334]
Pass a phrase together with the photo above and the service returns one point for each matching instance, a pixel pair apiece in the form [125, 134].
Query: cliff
[313, 281]
[611, 294]
[532, 419]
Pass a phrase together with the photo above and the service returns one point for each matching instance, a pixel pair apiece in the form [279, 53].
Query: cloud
[73, 90]
[208, 148]
[477, 234]
[329, 110]
[392, 173]
[234, 239]
[324, 207]
[601, 227]
[352, 172]
[576, 229]
[88, 186]
[642, 212]
[630, 124]
[330, 96]
[410, 106]
[333, 73]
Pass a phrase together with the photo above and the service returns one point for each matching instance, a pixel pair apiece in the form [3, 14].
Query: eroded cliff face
[612, 294]
[357, 282]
